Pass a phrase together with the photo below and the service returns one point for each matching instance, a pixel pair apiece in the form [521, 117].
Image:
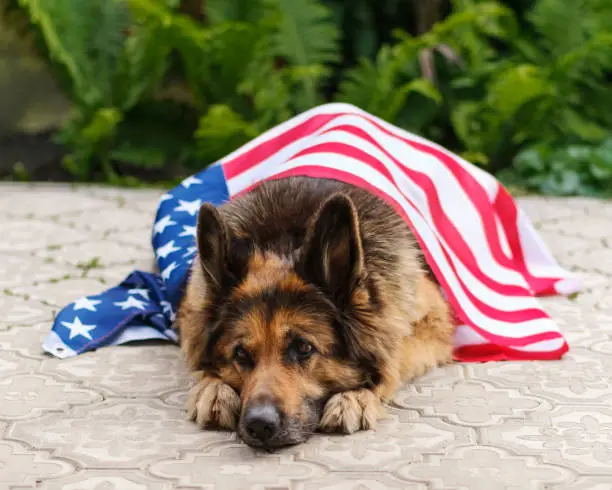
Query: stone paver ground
[115, 419]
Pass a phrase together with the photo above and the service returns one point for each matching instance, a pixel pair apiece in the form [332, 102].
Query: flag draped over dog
[489, 260]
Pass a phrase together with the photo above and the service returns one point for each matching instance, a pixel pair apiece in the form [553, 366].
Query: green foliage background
[162, 87]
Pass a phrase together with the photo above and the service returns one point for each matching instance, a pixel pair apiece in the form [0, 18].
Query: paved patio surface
[115, 419]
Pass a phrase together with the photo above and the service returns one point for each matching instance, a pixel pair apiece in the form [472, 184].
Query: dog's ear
[332, 257]
[212, 242]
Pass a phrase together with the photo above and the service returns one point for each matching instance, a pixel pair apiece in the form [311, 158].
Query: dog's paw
[212, 402]
[351, 411]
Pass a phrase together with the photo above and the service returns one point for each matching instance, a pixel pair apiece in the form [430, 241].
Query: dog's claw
[351, 411]
[212, 402]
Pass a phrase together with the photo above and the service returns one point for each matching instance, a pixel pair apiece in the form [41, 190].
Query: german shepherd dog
[307, 305]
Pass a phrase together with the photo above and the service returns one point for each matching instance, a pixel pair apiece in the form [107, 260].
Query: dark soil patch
[35, 156]
[38, 158]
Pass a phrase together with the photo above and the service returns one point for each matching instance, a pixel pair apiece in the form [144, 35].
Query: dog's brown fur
[307, 262]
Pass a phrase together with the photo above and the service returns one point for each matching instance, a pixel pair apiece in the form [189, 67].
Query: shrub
[574, 169]
[169, 86]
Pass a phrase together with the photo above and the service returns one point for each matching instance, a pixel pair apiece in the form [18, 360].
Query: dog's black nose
[262, 421]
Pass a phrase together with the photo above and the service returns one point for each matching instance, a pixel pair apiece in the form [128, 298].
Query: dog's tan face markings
[280, 349]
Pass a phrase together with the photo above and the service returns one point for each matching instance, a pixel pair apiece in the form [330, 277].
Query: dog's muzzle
[262, 423]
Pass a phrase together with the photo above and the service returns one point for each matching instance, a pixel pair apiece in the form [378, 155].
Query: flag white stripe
[467, 336]
[538, 258]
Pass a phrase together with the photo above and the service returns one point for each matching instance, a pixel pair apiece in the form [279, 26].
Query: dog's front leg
[213, 403]
[350, 411]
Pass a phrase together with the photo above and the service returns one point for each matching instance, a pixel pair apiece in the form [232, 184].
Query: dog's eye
[242, 356]
[303, 348]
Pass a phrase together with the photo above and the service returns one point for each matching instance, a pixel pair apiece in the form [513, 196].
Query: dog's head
[287, 332]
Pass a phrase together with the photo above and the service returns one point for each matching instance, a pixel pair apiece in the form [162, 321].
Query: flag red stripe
[495, 352]
[508, 214]
[267, 148]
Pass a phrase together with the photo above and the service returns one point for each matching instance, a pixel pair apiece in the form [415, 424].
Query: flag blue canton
[144, 305]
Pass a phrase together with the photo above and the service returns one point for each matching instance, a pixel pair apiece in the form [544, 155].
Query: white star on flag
[191, 207]
[165, 197]
[167, 249]
[167, 309]
[189, 181]
[143, 292]
[131, 302]
[86, 304]
[168, 271]
[162, 224]
[190, 251]
[188, 231]
[77, 328]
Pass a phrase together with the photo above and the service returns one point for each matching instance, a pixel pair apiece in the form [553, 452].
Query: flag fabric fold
[487, 256]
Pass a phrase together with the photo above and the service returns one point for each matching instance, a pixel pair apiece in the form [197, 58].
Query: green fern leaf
[423, 87]
[268, 89]
[468, 31]
[369, 84]
[220, 131]
[215, 58]
[593, 58]
[220, 11]
[306, 33]
[563, 26]
[225, 61]
[377, 87]
[142, 66]
[101, 126]
[571, 121]
[110, 65]
[512, 88]
[61, 29]
[89, 38]
[468, 126]
[108, 27]
[305, 36]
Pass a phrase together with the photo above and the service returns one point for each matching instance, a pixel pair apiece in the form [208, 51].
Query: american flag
[488, 258]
